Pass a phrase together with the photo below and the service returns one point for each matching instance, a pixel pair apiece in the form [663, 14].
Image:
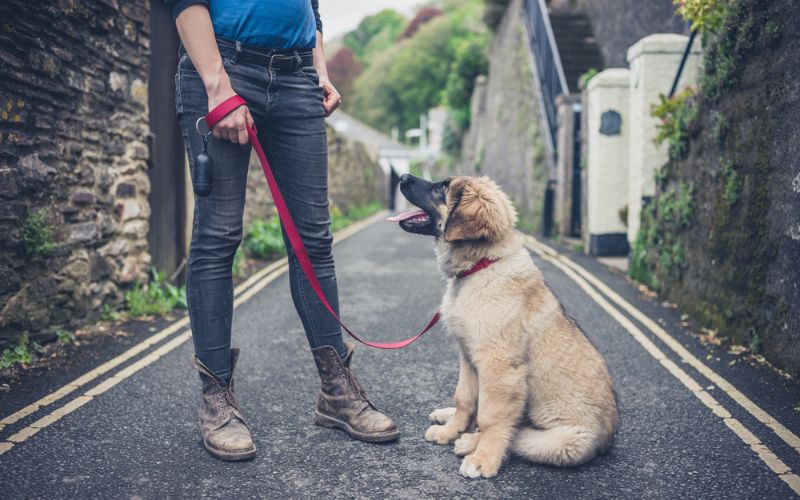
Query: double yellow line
[601, 294]
[242, 293]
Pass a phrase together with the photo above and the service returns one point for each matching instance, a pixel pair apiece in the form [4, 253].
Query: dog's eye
[439, 189]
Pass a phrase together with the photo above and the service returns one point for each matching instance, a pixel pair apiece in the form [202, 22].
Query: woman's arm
[332, 97]
[197, 36]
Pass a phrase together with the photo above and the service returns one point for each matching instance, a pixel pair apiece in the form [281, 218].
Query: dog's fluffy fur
[529, 378]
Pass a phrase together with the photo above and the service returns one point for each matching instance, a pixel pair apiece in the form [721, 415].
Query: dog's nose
[405, 178]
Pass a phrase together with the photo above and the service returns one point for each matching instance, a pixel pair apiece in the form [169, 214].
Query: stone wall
[354, 178]
[736, 265]
[506, 139]
[73, 159]
[618, 24]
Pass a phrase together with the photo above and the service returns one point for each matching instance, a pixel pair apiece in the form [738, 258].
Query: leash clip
[205, 126]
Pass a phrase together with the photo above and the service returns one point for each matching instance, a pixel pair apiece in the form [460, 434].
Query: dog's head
[457, 209]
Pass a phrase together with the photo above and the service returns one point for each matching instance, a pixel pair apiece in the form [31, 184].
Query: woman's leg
[216, 229]
[296, 146]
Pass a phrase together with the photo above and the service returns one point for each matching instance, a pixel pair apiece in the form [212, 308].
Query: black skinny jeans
[285, 101]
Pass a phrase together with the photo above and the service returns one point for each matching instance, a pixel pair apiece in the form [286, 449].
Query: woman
[269, 52]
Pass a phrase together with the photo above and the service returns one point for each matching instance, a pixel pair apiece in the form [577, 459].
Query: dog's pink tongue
[405, 216]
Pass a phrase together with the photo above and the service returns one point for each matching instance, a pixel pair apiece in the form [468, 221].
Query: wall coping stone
[661, 43]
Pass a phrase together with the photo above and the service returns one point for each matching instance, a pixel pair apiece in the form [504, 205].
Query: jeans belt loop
[238, 52]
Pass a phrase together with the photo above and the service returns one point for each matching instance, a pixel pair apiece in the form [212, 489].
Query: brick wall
[73, 158]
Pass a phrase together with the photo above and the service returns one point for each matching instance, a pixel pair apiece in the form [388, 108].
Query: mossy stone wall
[722, 237]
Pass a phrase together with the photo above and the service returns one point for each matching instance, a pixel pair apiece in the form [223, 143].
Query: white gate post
[608, 133]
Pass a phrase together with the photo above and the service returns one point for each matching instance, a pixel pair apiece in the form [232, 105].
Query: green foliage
[584, 79]
[657, 255]
[676, 114]
[406, 79]
[719, 127]
[341, 220]
[742, 24]
[470, 61]
[264, 239]
[237, 261]
[65, 336]
[704, 15]
[158, 297]
[109, 314]
[37, 233]
[479, 161]
[375, 33]
[732, 188]
[19, 354]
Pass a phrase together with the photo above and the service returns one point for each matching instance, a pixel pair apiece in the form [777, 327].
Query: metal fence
[548, 63]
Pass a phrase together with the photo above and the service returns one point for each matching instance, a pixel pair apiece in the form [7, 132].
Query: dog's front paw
[479, 465]
[440, 434]
[466, 444]
[442, 415]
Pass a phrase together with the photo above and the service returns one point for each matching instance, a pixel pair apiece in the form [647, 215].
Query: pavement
[139, 438]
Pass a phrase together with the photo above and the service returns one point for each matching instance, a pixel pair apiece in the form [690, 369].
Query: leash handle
[295, 240]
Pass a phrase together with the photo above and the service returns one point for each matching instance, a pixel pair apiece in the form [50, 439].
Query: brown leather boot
[342, 402]
[222, 426]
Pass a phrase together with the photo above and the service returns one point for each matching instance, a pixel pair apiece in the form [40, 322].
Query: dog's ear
[476, 213]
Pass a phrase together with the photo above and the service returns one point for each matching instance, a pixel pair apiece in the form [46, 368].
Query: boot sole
[331, 423]
[229, 456]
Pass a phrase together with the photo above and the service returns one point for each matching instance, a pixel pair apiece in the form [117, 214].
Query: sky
[341, 16]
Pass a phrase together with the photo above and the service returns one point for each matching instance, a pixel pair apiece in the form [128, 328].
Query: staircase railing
[552, 81]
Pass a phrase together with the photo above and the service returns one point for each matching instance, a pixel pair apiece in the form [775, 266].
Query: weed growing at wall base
[157, 297]
[657, 256]
[19, 354]
[264, 239]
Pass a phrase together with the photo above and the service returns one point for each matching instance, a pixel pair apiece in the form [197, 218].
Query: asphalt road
[140, 440]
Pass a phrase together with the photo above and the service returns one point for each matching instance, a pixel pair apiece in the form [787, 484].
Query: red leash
[299, 248]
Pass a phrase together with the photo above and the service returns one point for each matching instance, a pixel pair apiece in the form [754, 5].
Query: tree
[470, 61]
[343, 69]
[424, 15]
[375, 33]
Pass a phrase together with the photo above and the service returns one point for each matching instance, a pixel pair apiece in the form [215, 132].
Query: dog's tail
[563, 446]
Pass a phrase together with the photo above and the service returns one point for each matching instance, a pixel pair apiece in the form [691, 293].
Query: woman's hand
[332, 98]
[234, 126]
[197, 35]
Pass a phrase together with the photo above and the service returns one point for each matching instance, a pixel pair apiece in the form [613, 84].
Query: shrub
[341, 220]
[264, 239]
[158, 297]
[704, 15]
[676, 114]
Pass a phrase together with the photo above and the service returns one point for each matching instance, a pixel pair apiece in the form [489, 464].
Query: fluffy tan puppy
[530, 382]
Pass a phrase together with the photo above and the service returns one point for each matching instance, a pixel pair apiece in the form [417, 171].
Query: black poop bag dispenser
[203, 178]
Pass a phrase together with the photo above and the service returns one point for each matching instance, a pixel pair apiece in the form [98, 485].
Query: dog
[530, 382]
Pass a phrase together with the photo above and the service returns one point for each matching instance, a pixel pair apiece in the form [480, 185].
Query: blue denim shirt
[283, 24]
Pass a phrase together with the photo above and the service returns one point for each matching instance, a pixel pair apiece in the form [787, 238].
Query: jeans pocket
[309, 74]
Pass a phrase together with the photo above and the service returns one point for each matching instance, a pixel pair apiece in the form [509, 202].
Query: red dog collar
[478, 266]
